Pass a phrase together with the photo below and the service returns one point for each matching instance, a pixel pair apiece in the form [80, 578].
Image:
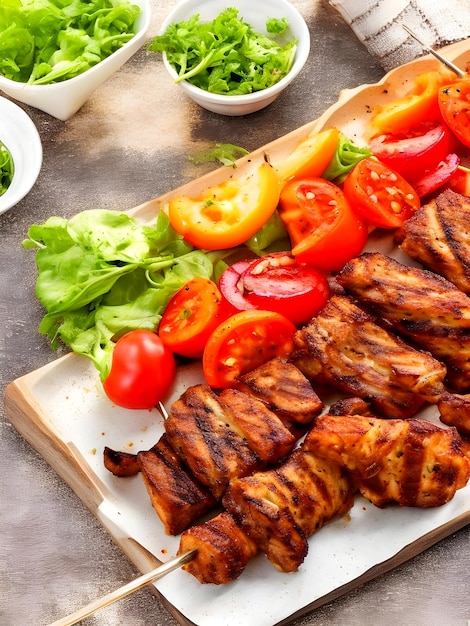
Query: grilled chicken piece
[351, 406]
[263, 430]
[411, 462]
[344, 348]
[438, 237]
[119, 463]
[281, 507]
[454, 410]
[417, 304]
[176, 496]
[213, 444]
[284, 389]
[223, 550]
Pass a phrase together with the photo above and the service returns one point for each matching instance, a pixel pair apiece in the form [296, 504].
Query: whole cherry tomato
[142, 370]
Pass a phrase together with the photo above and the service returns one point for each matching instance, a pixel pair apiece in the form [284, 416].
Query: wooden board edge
[27, 417]
[405, 554]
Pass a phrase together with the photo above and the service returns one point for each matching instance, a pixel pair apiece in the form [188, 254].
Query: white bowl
[255, 13]
[62, 100]
[20, 136]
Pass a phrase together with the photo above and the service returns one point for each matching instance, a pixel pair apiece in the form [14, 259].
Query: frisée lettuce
[226, 55]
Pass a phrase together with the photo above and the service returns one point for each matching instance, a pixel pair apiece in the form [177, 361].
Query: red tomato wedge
[324, 230]
[245, 341]
[383, 197]
[190, 317]
[226, 215]
[454, 104]
[275, 282]
[415, 151]
[431, 181]
[142, 371]
[231, 286]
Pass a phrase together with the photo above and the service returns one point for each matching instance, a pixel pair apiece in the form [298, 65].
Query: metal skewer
[124, 591]
[460, 73]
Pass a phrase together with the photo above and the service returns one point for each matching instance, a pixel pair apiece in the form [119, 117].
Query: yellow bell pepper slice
[226, 215]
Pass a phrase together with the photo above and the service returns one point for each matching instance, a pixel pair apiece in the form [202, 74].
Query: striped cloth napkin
[377, 24]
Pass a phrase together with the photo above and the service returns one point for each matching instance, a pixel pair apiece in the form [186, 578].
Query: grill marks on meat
[438, 237]
[280, 508]
[410, 462]
[454, 410]
[284, 389]
[344, 348]
[223, 550]
[201, 432]
[417, 304]
[177, 497]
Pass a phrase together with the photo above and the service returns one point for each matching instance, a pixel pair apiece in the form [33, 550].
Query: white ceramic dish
[62, 411]
[20, 136]
[62, 100]
[255, 13]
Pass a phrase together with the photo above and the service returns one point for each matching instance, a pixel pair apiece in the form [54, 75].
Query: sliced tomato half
[245, 341]
[276, 282]
[431, 181]
[324, 230]
[383, 197]
[415, 151]
[190, 317]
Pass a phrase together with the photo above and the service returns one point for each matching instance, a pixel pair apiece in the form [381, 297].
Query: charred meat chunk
[344, 348]
[411, 462]
[418, 305]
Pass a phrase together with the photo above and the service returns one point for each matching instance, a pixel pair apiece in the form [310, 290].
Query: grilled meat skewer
[411, 462]
[417, 304]
[177, 497]
[280, 508]
[437, 236]
[344, 348]
[223, 550]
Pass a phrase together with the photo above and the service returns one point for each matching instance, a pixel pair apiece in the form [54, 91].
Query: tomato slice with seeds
[243, 342]
[190, 317]
[277, 282]
[415, 151]
[324, 230]
[383, 197]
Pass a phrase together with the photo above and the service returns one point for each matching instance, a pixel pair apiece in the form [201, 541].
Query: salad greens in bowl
[233, 58]
[55, 53]
[20, 154]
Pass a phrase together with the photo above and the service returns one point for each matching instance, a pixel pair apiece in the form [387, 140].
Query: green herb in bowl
[7, 168]
[226, 55]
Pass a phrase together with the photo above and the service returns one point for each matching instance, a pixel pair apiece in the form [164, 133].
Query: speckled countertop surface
[129, 143]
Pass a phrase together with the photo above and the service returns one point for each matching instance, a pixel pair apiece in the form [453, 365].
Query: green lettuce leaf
[101, 274]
